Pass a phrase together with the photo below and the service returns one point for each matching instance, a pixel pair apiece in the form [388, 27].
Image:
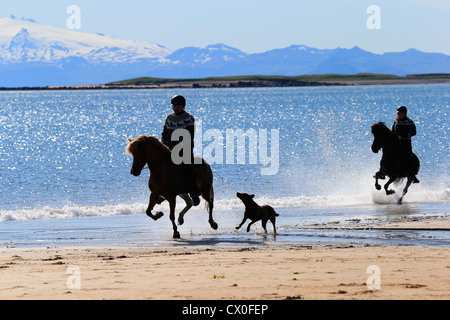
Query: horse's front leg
[377, 185]
[172, 204]
[386, 186]
[405, 190]
[189, 205]
[153, 201]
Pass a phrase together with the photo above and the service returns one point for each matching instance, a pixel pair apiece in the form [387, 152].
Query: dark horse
[394, 163]
[167, 180]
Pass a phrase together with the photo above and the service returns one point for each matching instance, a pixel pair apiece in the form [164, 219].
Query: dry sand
[212, 272]
[406, 272]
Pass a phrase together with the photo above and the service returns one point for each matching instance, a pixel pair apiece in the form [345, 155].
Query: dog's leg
[243, 221]
[264, 222]
[249, 225]
[273, 222]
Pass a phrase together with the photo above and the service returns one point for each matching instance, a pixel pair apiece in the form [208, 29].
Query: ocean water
[63, 165]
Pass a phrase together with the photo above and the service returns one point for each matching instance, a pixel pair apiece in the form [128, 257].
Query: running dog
[254, 212]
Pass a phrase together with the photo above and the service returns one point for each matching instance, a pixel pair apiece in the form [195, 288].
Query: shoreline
[418, 225]
[264, 82]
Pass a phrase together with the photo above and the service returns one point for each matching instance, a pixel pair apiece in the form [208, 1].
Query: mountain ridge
[34, 54]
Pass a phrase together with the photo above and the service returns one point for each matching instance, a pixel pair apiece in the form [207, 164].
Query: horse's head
[384, 137]
[146, 150]
[136, 147]
[378, 129]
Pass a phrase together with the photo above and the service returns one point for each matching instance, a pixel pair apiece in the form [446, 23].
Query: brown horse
[167, 180]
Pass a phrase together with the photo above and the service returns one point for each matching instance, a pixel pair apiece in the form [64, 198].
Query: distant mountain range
[34, 54]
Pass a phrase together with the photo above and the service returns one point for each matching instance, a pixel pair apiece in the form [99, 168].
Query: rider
[181, 119]
[404, 128]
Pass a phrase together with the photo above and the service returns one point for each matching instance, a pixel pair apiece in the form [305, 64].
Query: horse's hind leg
[405, 190]
[172, 204]
[189, 205]
[211, 221]
[209, 198]
[153, 201]
[386, 186]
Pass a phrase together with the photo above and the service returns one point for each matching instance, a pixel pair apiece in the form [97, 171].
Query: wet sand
[336, 271]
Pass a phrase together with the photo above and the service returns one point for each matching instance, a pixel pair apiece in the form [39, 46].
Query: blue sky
[255, 25]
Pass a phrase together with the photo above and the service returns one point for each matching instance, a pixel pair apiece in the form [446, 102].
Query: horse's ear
[129, 146]
[252, 196]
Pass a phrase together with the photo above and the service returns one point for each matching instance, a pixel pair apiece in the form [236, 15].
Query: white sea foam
[418, 195]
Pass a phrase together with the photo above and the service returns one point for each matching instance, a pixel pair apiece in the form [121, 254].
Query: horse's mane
[137, 142]
[380, 130]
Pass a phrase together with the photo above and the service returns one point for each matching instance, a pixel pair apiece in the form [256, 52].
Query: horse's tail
[207, 188]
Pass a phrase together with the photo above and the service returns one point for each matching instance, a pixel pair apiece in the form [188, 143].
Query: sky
[255, 25]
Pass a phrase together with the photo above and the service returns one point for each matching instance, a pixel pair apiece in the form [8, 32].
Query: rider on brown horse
[181, 119]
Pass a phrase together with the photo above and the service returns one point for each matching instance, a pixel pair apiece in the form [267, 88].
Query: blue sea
[65, 177]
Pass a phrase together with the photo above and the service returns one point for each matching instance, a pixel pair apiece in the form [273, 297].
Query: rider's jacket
[404, 129]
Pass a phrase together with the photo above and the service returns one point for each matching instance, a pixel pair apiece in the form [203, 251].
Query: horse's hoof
[213, 225]
[389, 192]
[180, 221]
[156, 216]
[378, 187]
[176, 235]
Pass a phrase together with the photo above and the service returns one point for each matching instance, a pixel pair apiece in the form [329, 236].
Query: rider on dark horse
[404, 128]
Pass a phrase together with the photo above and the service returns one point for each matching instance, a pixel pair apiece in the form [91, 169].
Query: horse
[394, 163]
[168, 180]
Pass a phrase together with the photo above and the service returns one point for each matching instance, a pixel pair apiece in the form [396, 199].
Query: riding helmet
[402, 109]
[178, 100]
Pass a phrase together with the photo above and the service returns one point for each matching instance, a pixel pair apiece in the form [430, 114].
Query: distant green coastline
[256, 81]
[303, 78]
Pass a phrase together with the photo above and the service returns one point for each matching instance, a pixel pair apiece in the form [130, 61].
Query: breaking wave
[335, 200]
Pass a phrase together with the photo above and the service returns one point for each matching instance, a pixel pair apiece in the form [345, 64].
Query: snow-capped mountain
[218, 53]
[24, 40]
[34, 54]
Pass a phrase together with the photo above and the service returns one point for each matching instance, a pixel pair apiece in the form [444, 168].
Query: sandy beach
[334, 271]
